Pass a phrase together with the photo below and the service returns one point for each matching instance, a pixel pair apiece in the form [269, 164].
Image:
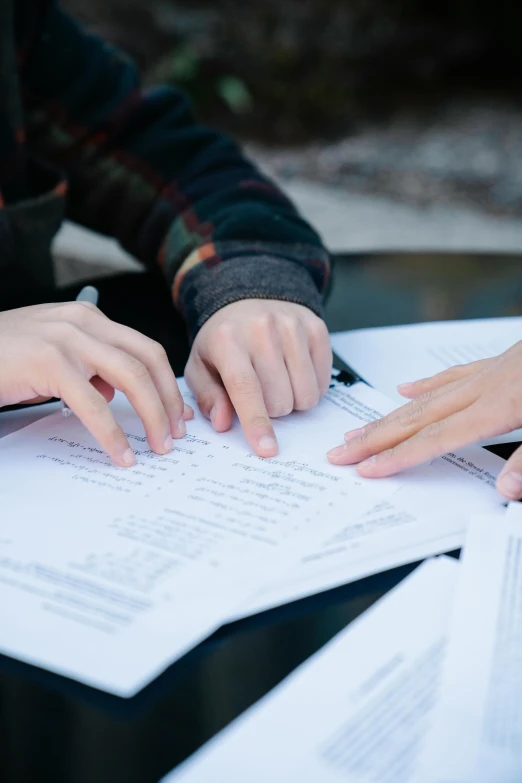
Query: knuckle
[279, 408]
[366, 437]
[424, 399]
[411, 415]
[263, 323]
[157, 352]
[112, 431]
[136, 369]
[66, 332]
[204, 400]
[224, 331]
[317, 330]
[243, 384]
[372, 427]
[432, 430]
[307, 401]
[97, 406]
[289, 322]
[259, 421]
[80, 312]
[390, 455]
[50, 355]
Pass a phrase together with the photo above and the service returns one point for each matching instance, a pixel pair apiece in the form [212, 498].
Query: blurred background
[395, 125]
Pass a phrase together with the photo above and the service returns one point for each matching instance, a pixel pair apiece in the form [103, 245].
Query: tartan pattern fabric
[135, 165]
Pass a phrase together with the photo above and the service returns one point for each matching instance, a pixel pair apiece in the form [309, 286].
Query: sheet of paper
[96, 561]
[426, 515]
[211, 496]
[477, 730]
[210, 479]
[81, 600]
[388, 356]
[357, 710]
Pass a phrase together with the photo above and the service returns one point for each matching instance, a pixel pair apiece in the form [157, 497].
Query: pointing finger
[243, 388]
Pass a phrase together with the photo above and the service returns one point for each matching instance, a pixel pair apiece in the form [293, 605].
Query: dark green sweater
[80, 138]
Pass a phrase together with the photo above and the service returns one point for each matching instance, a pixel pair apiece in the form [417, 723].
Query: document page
[82, 600]
[477, 730]
[209, 480]
[426, 515]
[99, 563]
[388, 356]
[356, 711]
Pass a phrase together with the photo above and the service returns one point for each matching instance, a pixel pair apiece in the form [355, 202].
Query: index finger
[401, 424]
[244, 389]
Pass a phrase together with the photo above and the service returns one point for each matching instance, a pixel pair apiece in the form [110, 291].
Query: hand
[261, 358]
[455, 408]
[74, 352]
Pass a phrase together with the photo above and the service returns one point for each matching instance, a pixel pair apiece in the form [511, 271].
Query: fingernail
[267, 443]
[181, 429]
[404, 387]
[188, 413]
[128, 457]
[336, 452]
[511, 485]
[368, 463]
[212, 414]
[169, 443]
[353, 434]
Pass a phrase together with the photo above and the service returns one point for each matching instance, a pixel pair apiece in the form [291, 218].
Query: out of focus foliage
[289, 70]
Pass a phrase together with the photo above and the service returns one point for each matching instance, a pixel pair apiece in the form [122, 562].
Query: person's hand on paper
[262, 359]
[453, 409]
[74, 352]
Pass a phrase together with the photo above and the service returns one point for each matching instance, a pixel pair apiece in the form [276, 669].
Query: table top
[54, 729]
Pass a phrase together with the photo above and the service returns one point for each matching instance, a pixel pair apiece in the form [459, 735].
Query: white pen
[88, 294]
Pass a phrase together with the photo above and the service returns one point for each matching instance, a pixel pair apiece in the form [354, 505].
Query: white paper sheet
[426, 515]
[209, 503]
[388, 356]
[357, 710]
[100, 564]
[207, 476]
[79, 600]
[477, 729]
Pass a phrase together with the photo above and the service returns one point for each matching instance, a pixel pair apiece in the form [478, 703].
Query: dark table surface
[54, 729]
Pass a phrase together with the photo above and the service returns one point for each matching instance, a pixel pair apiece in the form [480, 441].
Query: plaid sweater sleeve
[173, 192]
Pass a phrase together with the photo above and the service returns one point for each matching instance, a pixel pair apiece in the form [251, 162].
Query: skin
[74, 352]
[455, 408]
[261, 359]
[258, 358]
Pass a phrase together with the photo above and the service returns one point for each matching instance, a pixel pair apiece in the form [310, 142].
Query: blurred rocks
[468, 153]
[315, 68]
[417, 101]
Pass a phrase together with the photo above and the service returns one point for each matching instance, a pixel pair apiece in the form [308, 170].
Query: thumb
[212, 398]
[509, 482]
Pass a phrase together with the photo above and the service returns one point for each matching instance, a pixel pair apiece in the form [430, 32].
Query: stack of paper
[425, 687]
[108, 575]
[476, 735]
[358, 710]
[96, 560]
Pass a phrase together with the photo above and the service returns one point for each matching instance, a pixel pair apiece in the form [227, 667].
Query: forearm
[171, 191]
